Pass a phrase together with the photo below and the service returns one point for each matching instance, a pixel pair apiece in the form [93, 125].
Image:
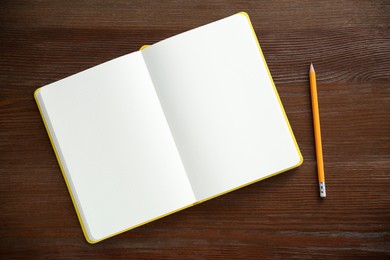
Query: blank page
[115, 146]
[221, 106]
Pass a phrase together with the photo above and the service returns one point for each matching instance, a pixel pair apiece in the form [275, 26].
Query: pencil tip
[311, 67]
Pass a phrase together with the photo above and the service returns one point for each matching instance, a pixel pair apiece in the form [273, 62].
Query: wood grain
[282, 217]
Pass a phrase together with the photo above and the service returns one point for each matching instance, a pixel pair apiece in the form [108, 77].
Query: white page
[221, 106]
[115, 145]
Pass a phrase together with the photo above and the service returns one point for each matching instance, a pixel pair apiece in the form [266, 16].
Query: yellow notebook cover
[71, 186]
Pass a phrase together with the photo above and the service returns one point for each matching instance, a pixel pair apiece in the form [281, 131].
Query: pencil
[317, 131]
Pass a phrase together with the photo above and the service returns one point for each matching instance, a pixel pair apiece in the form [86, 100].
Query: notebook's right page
[222, 107]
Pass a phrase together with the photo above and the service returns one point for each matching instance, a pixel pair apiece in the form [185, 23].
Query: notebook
[161, 129]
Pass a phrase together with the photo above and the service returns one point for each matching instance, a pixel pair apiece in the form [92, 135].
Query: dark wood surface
[282, 217]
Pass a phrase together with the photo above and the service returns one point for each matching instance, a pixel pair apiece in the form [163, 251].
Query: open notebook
[161, 129]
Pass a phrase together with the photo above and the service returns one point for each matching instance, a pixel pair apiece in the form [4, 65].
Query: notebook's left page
[115, 148]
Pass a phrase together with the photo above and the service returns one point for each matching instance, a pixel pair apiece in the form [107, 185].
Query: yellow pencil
[317, 131]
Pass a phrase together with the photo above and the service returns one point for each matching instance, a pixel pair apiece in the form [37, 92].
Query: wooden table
[349, 43]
